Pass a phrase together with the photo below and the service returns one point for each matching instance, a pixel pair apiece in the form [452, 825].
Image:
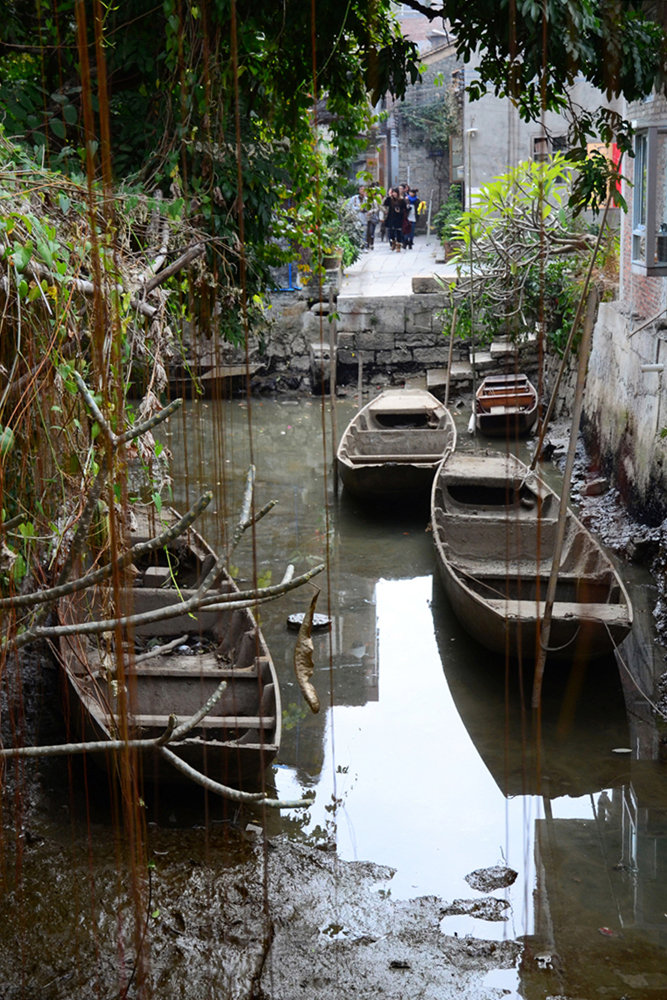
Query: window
[649, 202]
[545, 145]
[540, 148]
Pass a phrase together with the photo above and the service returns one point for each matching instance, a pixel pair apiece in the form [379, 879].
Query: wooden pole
[575, 323]
[333, 330]
[545, 629]
[449, 359]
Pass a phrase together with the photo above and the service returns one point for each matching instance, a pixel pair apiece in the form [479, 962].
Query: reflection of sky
[415, 793]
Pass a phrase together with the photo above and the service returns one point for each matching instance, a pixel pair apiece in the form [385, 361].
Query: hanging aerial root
[303, 657]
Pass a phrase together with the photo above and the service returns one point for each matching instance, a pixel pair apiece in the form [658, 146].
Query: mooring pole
[449, 359]
[333, 331]
[544, 627]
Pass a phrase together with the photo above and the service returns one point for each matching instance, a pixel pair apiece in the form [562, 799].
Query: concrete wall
[625, 410]
[625, 405]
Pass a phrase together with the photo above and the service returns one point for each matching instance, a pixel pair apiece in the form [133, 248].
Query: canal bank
[380, 321]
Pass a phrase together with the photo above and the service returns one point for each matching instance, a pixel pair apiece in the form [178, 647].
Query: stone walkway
[382, 271]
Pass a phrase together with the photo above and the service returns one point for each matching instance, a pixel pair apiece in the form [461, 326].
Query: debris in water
[320, 622]
[488, 879]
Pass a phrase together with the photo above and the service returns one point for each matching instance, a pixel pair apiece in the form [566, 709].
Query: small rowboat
[495, 528]
[392, 447]
[505, 406]
[174, 666]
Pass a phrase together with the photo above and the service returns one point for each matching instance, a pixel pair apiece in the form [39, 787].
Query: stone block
[345, 356]
[354, 322]
[426, 339]
[401, 355]
[421, 321]
[429, 355]
[346, 341]
[375, 340]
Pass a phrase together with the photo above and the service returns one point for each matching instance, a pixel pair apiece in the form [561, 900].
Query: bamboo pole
[545, 629]
[333, 330]
[568, 347]
[449, 359]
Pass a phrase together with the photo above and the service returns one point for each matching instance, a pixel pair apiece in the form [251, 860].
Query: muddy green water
[423, 756]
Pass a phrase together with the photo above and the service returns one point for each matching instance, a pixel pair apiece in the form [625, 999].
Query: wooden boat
[174, 666]
[393, 445]
[494, 527]
[505, 406]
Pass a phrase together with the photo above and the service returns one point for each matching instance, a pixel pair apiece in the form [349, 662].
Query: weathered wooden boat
[174, 666]
[495, 526]
[505, 406]
[393, 445]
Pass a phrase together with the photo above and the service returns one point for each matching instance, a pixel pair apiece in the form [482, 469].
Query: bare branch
[140, 549]
[214, 602]
[186, 258]
[258, 798]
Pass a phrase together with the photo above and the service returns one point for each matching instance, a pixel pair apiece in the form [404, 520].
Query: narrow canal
[422, 757]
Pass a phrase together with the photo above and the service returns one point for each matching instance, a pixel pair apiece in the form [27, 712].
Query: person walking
[357, 204]
[372, 214]
[395, 214]
[411, 203]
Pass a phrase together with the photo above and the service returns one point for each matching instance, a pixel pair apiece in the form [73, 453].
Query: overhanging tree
[213, 103]
[532, 51]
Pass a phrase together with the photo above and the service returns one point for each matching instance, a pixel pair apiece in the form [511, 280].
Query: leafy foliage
[215, 103]
[448, 217]
[521, 256]
[532, 51]
[436, 120]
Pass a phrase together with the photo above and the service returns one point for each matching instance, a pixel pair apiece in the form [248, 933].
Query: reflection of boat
[582, 718]
[174, 666]
[393, 445]
[495, 527]
[505, 405]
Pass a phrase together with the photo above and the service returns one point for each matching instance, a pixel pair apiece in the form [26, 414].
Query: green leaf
[21, 256]
[57, 126]
[6, 440]
[64, 203]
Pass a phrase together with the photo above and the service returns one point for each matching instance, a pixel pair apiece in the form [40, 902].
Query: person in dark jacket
[395, 206]
[411, 203]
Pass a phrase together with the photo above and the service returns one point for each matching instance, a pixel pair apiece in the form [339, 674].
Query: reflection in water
[424, 755]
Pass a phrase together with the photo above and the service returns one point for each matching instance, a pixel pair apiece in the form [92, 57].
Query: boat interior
[511, 557]
[365, 445]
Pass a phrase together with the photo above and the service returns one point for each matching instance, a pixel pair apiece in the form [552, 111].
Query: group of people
[401, 207]
[396, 215]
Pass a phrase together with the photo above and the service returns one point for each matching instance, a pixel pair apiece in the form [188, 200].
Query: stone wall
[625, 409]
[397, 335]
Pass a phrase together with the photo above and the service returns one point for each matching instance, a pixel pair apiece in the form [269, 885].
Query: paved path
[382, 271]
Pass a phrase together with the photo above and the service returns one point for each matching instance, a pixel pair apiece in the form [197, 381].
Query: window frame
[645, 224]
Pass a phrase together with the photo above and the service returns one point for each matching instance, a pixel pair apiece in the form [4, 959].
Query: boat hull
[392, 447]
[494, 528]
[171, 667]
